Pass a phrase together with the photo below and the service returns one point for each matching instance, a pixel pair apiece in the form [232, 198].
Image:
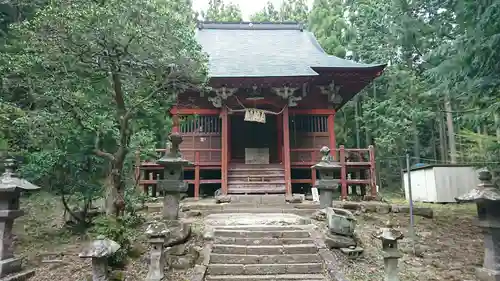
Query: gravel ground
[451, 246]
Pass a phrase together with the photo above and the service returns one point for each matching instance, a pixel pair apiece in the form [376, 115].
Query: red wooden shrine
[272, 71]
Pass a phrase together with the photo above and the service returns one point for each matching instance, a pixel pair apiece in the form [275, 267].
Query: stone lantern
[157, 233]
[327, 184]
[487, 198]
[389, 237]
[172, 183]
[99, 250]
[10, 191]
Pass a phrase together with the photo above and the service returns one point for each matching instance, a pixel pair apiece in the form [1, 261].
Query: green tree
[97, 70]
[219, 11]
[327, 22]
[267, 14]
[290, 11]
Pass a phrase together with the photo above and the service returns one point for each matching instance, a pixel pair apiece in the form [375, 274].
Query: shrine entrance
[254, 142]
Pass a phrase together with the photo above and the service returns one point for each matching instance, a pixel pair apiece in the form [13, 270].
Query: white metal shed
[440, 183]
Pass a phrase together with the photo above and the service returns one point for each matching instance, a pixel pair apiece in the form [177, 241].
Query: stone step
[264, 241]
[280, 277]
[264, 249]
[262, 199]
[261, 227]
[228, 210]
[266, 259]
[264, 269]
[243, 233]
[282, 205]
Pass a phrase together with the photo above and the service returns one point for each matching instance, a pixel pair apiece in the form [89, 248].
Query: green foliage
[328, 23]
[99, 77]
[219, 11]
[290, 11]
[119, 231]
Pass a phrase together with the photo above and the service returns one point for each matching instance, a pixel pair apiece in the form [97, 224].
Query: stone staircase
[264, 253]
[256, 179]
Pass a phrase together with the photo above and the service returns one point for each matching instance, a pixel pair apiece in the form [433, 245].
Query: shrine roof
[266, 50]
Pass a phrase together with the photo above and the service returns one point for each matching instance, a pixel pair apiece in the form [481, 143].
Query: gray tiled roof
[265, 50]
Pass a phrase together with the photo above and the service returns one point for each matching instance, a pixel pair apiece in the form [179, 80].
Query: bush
[119, 231]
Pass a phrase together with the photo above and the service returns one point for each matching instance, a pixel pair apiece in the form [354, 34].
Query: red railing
[151, 169]
[360, 158]
[357, 157]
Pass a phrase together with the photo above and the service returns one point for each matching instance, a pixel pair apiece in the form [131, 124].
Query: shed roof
[266, 50]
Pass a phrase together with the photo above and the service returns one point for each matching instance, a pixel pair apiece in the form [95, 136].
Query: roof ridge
[246, 25]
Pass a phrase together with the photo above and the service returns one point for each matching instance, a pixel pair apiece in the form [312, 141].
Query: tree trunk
[356, 120]
[451, 129]
[115, 189]
[443, 146]
[416, 142]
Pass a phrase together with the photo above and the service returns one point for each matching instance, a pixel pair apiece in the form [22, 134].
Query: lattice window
[309, 123]
[210, 124]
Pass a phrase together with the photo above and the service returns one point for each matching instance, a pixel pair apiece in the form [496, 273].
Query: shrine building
[273, 104]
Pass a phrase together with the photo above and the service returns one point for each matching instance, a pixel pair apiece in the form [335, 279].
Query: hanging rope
[245, 108]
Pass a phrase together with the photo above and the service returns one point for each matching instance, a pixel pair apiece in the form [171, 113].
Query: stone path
[259, 247]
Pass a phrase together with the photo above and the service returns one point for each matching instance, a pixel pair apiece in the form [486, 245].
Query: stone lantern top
[173, 156]
[157, 229]
[10, 182]
[100, 248]
[388, 233]
[327, 162]
[485, 190]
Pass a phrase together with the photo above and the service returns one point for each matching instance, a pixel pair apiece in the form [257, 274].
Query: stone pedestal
[327, 183]
[10, 191]
[157, 233]
[172, 190]
[326, 189]
[487, 198]
[391, 254]
[173, 183]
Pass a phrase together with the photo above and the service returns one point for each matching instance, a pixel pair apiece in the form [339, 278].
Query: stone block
[294, 199]
[300, 249]
[340, 221]
[20, 276]
[9, 266]
[304, 268]
[222, 199]
[484, 274]
[265, 269]
[334, 241]
[352, 252]
[418, 211]
[225, 269]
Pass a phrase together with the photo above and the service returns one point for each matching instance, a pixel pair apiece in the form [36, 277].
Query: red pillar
[279, 125]
[224, 152]
[286, 152]
[331, 134]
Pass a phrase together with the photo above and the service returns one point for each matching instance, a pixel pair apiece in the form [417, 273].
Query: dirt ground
[451, 246]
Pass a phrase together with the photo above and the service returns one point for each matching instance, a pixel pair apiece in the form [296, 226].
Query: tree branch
[99, 152]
